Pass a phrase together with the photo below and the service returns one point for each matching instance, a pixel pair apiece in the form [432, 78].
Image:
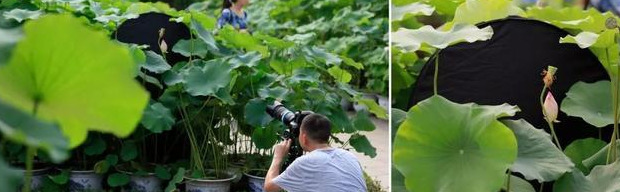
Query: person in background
[604, 5]
[234, 15]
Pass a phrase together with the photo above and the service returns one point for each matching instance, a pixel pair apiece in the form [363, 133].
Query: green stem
[541, 187]
[508, 182]
[29, 161]
[436, 73]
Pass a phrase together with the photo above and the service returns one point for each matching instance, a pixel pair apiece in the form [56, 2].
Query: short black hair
[317, 127]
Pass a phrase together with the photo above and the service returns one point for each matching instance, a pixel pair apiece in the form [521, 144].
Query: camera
[292, 120]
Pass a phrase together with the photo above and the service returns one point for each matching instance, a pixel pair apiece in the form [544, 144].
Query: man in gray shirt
[322, 169]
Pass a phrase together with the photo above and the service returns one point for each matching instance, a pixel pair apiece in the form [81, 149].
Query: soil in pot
[210, 184]
[141, 180]
[256, 179]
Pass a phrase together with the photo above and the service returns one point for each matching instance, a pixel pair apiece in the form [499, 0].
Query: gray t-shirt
[323, 170]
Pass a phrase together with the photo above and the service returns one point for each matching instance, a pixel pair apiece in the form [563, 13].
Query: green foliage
[118, 179]
[591, 102]
[157, 118]
[87, 86]
[582, 149]
[537, 157]
[445, 146]
[25, 129]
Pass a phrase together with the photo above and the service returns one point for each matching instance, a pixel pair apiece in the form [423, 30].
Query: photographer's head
[315, 131]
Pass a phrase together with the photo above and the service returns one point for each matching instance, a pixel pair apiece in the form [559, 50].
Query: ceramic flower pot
[38, 176]
[209, 185]
[256, 179]
[85, 181]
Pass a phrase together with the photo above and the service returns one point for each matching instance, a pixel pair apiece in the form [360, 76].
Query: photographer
[323, 168]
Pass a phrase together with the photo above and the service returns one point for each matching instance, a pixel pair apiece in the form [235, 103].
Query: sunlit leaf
[411, 40]
[476, 11]
[416, 8]
[339, 74]
[74, 76]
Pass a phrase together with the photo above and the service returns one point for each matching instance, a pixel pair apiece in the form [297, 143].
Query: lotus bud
[549, 75]
[551, 108]
[163, 47]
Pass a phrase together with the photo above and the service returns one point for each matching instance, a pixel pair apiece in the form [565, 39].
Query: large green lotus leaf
[362, 122]
[600, 157]
[518, 185]
[477, 11]
[582, 149]
[417, 8]
[444, 7]
[446, 146]
[412, 40]
[75, 76]
[191, 47]
[205, 35]
[9, 178]
[250, 59]
[155, 63]
[265, 137]
[322, 55]
[591, 102]
[538, 158]
[206, 80]
[157, 118]
[362, 145]
[571, 17]
[255, 113]
[25, 129]
[602, 178]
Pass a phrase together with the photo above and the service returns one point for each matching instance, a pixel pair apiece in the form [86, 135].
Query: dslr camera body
[292, 120]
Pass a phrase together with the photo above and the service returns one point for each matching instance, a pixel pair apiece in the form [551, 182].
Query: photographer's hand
[281, 149]
[279, 153]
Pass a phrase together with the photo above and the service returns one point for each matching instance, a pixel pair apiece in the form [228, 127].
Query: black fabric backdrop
[507, 69]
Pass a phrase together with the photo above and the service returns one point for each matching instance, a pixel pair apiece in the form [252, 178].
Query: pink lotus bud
[163, 47]
[551, 108]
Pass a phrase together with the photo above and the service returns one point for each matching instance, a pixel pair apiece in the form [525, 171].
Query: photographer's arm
[280, 151]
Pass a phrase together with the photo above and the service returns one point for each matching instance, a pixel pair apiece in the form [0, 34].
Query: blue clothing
[607, 5]
[231, 18]
[323, 170]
